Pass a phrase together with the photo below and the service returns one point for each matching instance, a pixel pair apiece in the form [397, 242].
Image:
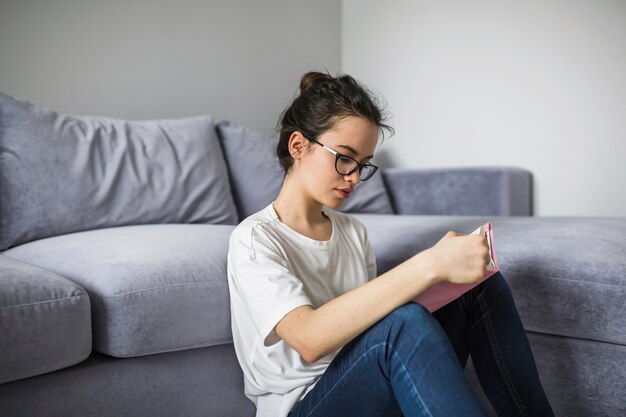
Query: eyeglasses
[347, 166]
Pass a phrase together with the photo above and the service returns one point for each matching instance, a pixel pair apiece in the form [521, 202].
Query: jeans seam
[497, 353]
[357, 361]
[342, 376]
[412, 383]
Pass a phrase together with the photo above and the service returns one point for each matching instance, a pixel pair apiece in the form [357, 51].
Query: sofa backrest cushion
[256, 175]
[63, 173]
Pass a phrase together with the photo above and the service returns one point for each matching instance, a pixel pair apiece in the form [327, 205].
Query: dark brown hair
[322, 102]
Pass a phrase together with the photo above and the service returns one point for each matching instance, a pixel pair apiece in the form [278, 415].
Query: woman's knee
[496, 286]
[409, 312]
[411, 319]
[410, 328]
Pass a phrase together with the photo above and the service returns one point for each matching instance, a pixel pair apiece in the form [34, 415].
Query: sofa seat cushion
[568, 275]
[153, 288]
[45, 322]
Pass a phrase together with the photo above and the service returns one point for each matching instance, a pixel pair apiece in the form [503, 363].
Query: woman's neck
[299, 211]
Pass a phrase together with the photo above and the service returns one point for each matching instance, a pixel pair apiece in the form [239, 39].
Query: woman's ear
[297, 144]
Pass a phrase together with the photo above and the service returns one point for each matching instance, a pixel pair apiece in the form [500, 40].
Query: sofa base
[582, 378]
[197, 382]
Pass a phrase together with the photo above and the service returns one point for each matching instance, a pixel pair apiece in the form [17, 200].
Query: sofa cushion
[105, 172]
[256, 175]
[153, 288]
[45, 323]
[567, 274]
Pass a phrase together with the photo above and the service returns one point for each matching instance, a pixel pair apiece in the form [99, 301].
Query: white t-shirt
[273, 269]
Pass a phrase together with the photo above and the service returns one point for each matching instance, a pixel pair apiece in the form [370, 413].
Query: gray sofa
[113, 242]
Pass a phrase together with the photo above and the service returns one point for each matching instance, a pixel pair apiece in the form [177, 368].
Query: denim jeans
[411, 363]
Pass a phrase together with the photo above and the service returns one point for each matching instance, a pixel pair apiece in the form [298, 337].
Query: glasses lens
[366, 172]
[345, 165]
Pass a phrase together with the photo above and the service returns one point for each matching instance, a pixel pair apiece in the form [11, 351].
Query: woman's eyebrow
[355, 153]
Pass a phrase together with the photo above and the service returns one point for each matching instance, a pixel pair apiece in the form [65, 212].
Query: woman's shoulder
[261, 217]
[258, 228]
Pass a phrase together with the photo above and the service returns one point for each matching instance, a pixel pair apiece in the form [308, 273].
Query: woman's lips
[344, 193]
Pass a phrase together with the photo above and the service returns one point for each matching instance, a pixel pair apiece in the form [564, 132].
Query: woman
[317, 333]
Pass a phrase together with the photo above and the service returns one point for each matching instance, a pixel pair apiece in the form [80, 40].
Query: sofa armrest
[494, 191]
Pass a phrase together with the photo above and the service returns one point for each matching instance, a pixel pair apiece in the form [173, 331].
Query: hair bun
[311, 78]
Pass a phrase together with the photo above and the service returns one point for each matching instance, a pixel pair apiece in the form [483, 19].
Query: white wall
[534, 84]
[137, 59]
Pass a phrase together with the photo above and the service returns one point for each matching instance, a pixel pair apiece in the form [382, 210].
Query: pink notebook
[440, 294]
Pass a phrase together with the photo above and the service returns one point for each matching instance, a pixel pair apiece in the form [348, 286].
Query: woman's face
[352, 136]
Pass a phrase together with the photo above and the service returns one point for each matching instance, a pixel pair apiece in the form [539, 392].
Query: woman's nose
[354, 177]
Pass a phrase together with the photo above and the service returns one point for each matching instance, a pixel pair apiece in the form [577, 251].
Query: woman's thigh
[402, 364]
[353, 384]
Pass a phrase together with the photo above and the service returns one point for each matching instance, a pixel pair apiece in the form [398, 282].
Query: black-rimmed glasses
[347, 166]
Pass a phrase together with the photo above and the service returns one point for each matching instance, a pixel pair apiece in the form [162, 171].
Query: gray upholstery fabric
[153, 288]
[567, 274]
[45, 322]
[62, 173]
[256, 175]
[581, 378]
[460, 191]
[205, 382]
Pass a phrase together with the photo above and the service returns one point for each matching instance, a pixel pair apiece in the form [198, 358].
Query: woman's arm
[314, 333]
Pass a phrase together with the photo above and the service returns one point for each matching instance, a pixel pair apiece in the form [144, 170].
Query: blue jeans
[411, 363]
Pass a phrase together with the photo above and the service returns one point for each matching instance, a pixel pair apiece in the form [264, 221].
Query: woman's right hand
[459, 258]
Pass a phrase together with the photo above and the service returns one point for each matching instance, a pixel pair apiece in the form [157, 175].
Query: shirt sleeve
[265, 286]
